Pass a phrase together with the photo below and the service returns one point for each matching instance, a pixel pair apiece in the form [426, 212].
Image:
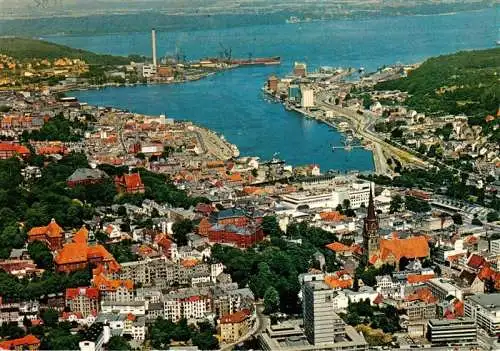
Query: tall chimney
[153, 40]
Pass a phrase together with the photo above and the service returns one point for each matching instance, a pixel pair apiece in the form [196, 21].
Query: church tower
[370, 229]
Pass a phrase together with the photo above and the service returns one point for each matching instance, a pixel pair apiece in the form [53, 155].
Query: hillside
[466, 82]
[24, 48]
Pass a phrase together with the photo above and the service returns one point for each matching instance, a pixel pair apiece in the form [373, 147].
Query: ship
[258, 61]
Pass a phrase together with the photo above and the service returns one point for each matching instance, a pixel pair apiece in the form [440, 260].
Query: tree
[476, 221]
[415, 205]
[118, 343]
[255, 172]
[396, 203]
[457, 218]
[346, 203]
[181, 229]
[492, 216]
[41, 254]
[50, 317]
[271, 300]
[205, 341]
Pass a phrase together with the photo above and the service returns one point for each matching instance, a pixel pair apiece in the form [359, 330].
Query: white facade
[387, 287]
[307, 97]
[340, 301]
[137, 308]
[148, 71]
[484, 309]
[194, 307]
[364, 293]
[495, 247]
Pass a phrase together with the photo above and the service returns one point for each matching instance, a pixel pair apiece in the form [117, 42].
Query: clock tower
[370, 230]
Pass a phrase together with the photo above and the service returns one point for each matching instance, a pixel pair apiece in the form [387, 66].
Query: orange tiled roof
[24, 341]
[51, 230]
[419, 278]
[336, 283]
[133, 180]
[16, 148]
[423, 294]
[101, 282]
[414, 247]
[189, 262]
[332, 216]
[81, 236]
[236, 317]
[339, 247]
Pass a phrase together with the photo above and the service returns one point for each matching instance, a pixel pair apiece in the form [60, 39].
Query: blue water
[232, 103]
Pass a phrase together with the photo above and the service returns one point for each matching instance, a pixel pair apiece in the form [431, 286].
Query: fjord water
[232, 103]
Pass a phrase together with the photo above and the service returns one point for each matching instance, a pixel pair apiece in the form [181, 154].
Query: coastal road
[361, 126]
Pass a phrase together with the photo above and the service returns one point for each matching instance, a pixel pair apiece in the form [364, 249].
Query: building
[299, 69]
[137, 308]
[495, 247]
[418, 310]
[186, 304]
[85, 176]
[441, 288]
[234, 326]
[306, 97]
[321, 324]
[114, 290]
[79, 254]
[148, 71]
[242, 237]
[28, 342]
[51, 234]
[289, 336]
[8, 150]
[272, 83]
[484, 309]
[130, 184]
[460, 331]
[83, 300]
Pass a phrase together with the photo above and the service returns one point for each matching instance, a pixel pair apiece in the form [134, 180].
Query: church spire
[371, 206]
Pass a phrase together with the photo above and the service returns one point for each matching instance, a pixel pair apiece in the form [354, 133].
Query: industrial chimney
[153, 40]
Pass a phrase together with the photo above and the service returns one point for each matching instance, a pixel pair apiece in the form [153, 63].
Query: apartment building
[484, 309]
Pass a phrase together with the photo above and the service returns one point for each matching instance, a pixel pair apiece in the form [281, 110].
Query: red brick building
[28, 342]
[52, 235]
[130, 184]
[8, 150]
[242, 237]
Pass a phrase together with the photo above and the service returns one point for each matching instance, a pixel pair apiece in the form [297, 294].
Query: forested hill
[466, 82]
[24, 48]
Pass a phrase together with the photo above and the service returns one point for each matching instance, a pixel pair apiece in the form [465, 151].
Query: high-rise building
[370, 229]
[307, 97]
[321, 324]
[300, 69]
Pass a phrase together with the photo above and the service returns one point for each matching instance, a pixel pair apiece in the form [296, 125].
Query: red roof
[15, 148]
[133, 180]
[419, 278]
[413, 247]
[236, 317]
[91, 293]
[28, 340]
[475, 261]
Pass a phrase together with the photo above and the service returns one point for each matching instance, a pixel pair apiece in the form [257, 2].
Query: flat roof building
[461, 331]
[485, 310]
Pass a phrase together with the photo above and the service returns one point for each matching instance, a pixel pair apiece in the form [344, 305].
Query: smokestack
[153, 40]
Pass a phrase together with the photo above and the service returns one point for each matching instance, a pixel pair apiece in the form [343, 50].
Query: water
[231, 103]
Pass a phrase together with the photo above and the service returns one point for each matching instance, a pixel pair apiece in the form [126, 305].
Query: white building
[388, 287]
[177, 307]
[484, 309]
[307, 97]
[495, 247]
[148, 71]
[364, 292]
[137, 308]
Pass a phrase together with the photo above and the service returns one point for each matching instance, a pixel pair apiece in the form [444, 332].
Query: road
[361, 125]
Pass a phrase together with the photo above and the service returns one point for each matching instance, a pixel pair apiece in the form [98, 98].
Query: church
[379, 251]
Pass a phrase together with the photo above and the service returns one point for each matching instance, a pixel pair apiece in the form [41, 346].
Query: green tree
[492, 216]
[181, 229]
[205, 341]
[271, 300]
[40, 254]
[346, 203]
[50, 317]
[457, 218]
[118, 343]
[396, 203]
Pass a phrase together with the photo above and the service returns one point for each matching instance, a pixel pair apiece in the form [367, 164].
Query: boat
[292, 20]
[258, 61]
